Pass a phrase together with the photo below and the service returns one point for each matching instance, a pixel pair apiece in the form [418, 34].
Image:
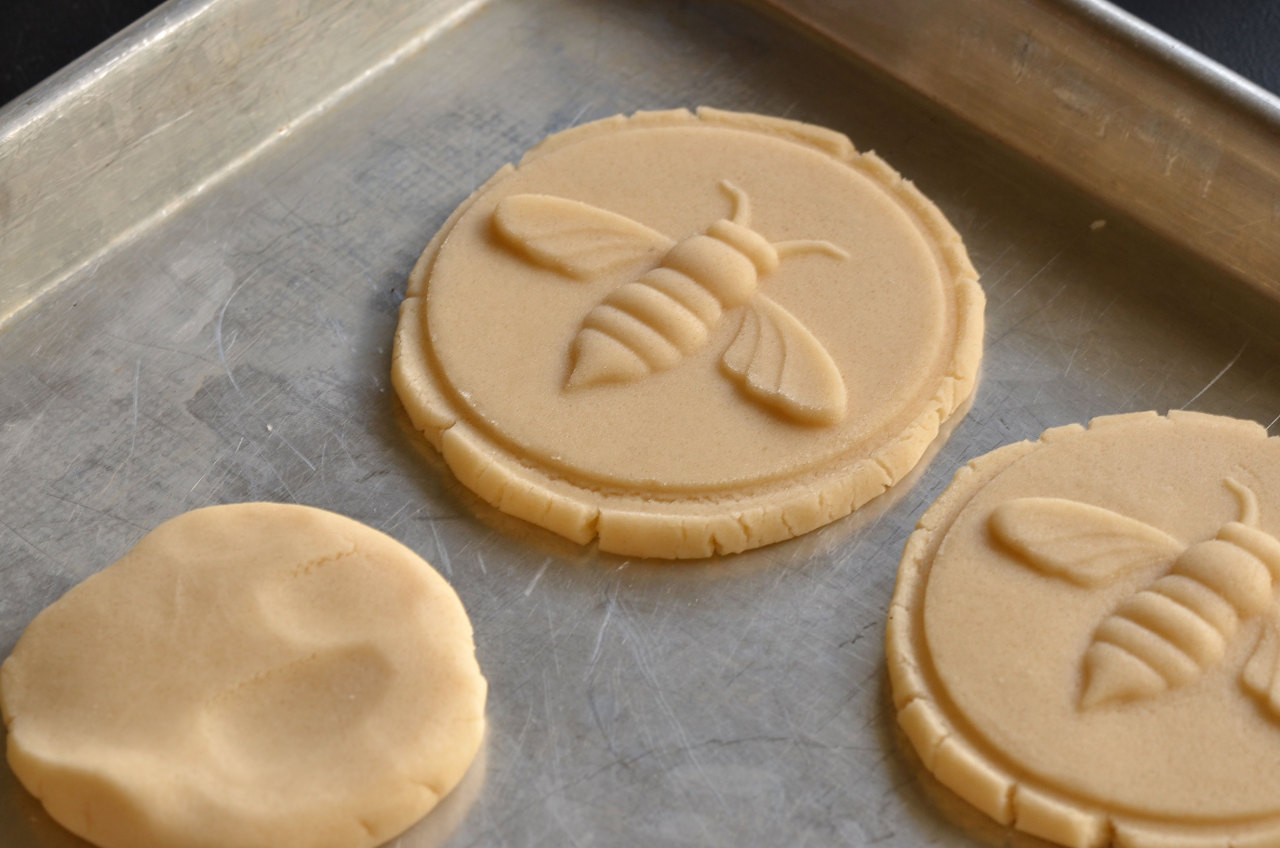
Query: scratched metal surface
[238, 349]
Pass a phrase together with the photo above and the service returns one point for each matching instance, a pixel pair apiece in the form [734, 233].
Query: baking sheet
[1097, 97]
[237, 348]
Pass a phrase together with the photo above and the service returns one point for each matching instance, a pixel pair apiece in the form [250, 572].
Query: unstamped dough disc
[688, 334]
[1085, 637]
[248, 676]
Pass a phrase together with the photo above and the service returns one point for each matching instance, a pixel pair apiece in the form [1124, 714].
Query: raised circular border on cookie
[954, 750]
[667, 524]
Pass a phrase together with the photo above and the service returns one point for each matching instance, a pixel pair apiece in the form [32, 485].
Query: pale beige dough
[688, 334]
[1083, 641]
[248, 675]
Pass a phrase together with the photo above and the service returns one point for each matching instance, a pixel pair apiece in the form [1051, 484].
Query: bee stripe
[1151, 648]
[661, 313]
[1201, 600]
[686, 292]
[635, 335]
[1176, 624]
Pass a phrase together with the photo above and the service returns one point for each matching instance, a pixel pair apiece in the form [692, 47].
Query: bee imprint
[1168, 633]
[651, 323]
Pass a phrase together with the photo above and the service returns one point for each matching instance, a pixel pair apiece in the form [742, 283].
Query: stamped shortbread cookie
[248, 676]
[1085, 637]
[688, 334]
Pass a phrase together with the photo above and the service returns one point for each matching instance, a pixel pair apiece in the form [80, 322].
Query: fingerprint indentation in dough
[338, 599]
[289, 715]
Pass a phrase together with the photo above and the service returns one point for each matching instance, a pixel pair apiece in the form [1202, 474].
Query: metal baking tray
[205, 230]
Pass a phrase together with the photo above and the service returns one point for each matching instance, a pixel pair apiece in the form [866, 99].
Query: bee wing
[1085, 544]
[1261, 673]
[780, 364]
[572, 237]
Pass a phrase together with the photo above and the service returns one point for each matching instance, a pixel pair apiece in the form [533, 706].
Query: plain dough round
[687, 460]
[1025, 575]
[248, 676]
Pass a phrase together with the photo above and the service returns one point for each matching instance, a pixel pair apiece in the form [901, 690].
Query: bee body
[653, 322]
[1168, 633]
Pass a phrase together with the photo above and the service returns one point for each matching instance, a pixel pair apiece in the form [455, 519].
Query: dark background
[37, 37]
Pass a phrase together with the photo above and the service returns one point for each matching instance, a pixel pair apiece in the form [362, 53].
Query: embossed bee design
[1178, 626]
[651, 323]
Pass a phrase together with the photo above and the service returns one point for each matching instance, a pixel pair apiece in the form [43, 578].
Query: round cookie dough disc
[1082, 642]
[248, 675]
[730, 398]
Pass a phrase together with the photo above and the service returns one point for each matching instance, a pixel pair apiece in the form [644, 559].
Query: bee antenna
[1248, 501]
[790, 248]
[741, 203]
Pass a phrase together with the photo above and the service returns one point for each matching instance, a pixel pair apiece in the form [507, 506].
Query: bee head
[1258, 542]
[1246, 534]
[748, 242]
